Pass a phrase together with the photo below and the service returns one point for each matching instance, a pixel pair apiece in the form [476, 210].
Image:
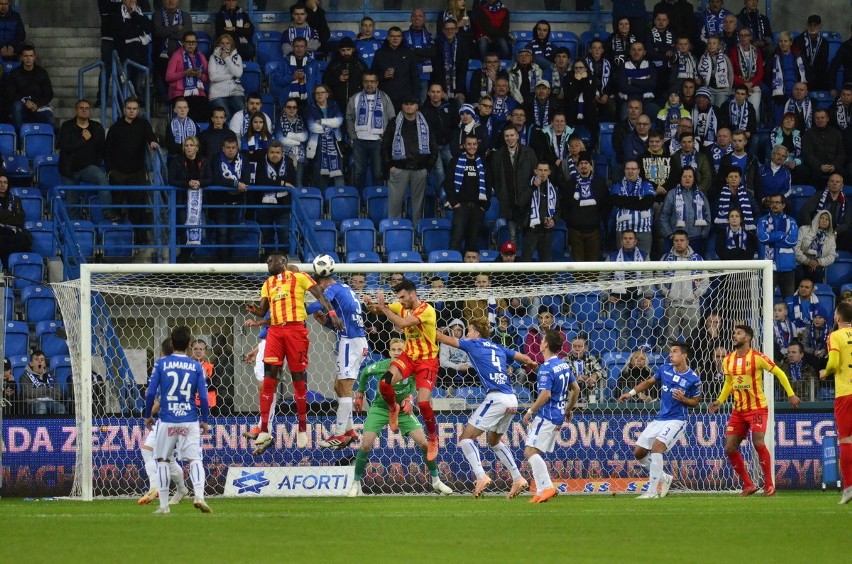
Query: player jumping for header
[840, 367]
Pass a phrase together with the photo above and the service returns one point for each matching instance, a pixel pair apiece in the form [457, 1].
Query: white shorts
[259, 366]
[350, 355]
[151, 437]
[541, 434]
[495, 413]
[180, 439]
[667, 432]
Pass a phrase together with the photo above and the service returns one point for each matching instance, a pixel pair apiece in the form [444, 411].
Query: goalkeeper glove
[408, 405]
[359, 403]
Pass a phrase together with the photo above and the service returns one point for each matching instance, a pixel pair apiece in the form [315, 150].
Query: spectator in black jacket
[211, 138]
[822, 149]
[229, 169]
[81, 150]
[132, 33]
[345, 73]
[317, 21]
[12, 32]
[397, 68]
[234, 20]
[440, 114]
[450, 64]
[842, 59]
[584, 207]
[468, 191]
[278, 171]
[13, 237]
[29, 91]
[106, 9]
[190, 172]
[814, 51]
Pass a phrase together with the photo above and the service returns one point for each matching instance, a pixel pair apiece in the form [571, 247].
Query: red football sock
[428, 418]
[267, 392]
[387, 392]
[846, 464]
[300, 394]
[766, 465]
[739, 467]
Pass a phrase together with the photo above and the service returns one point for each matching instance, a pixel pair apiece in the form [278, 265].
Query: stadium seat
[358, 235]
[567, 39]
[825, 293]
[338, 34]
[37, 139]
[397, 235]
[8, 139]
[60, 367]
[205, 44]
[343, 202]
[376, 200]
[309, 257]
[487, 255]
[325, 233]
[8, 303]
[270, 67]
[363, 257]
[39, 304]
[32, 201]
[586, 37]
[311, 200]
[84, 235]
[404, 257]
[17, 339]
[822, 99]
[471, 394]
[524, 395]
[27, 269]
[559, 241]
[585, 307]
[603, 337]
[605, 147]
[116, 240]
[247, 239]
[17, 167]
[492, 214]
[268, 106]
[445, 256]
[46, 172]
[434, 234]
[800, 193]
[251, 79]
[268, 47]
[45, 332]
[19, 364]
[838, 274]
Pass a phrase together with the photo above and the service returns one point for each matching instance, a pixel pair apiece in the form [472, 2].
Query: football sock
[388, 394]
[150, 468]
[765, 465]
[360, 464]
[267, 394]
[738, 464]
[344, 415]
[163, 483]
[846, 464]
[428, 418]
[645, 462]
[504, 453]
[196, 474]
[540, 473]
[300, 394]
[431, 465]
[276, 397]
[176, 474]
[656, 471]
[471, 453]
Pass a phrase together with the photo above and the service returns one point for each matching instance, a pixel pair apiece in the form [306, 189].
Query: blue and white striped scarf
[778, 78]
[784, 332]
[713, 22]
[714, 67]
[376, 124]
[736, 240]
[638, 220]
[804, 108]
[691, 256]
[459, 173]
[178, 20]
[192, 86]
[559, 146]
[535, 204]
[600, 71]
[398, 144]
[298, 126]
[231, 170]
[775, 222]
[541, 112]
[742, 203]
[194, 201]
[307, 32]
[738, 115]
[700, 213]
[298, 91]
[183, 129]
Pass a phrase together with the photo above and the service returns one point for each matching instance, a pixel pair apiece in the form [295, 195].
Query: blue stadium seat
[247, 239]
[471, 394]
[404, 257]
[84, 235]
[32, 201]
[311, 200]
[492, 214]
[268, 106]
[60, 367]
[605, 147]
[586, 307]
[205, 43]
[8, 139]
[343, 202]
[603, 337]
[309, 257]
[825, 293]
[45, 333]
[19, 365]
[445, 256]
[270, 68]
[39, 303]
[251, 79]
[800, 193]
[17, 340]
[559, 240]
[822, 99]
[268, 47]
[46, 171]
[567, 39]
[8, 303]
[838, 274]
[397, 235]
[358, 235]
[338, 34]
[18, 169]
[116, 240]
[434, 234]
[363, 257]
[586, 37]
[37, 139]
[376, 200]
[27, 268]
[524, 395]
[487, 255]
[326, 234]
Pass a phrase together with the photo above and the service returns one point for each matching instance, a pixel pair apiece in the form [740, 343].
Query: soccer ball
[323, 265]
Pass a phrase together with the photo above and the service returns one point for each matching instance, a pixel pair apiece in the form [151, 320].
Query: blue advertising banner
[39, 454]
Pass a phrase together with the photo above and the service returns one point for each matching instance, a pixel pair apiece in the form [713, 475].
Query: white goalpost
[116, 316]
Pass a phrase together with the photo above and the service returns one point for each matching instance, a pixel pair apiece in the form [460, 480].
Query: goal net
[619, 317]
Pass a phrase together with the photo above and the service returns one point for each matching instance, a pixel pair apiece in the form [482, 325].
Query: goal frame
[85, 416]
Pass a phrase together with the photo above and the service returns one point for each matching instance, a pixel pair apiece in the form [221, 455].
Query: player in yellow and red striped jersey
[744, 377]
[419, 358]
[283, 296]
[839, 363]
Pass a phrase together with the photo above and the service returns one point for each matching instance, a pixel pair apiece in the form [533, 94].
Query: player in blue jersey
[552, 408]
[177, 380]
[500, 406]
[351, 352]
[680, 387]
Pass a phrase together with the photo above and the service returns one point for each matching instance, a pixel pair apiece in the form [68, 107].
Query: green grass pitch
[727, 529]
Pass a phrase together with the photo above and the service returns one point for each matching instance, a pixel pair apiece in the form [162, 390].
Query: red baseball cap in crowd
[508, 248]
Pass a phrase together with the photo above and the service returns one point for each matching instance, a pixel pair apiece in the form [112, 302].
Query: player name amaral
[180, 365]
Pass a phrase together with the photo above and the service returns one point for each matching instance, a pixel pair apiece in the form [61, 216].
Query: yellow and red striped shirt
[286, 295]
[840, 361]
[744, 375]
[421, 339]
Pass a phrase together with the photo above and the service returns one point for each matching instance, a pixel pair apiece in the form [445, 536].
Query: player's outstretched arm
[524, 359]
[572, 401]
[833, 364]
[543, 398]
[260, 310]
[446, 340]
[317, 293]
[638, 389]
[785, 383]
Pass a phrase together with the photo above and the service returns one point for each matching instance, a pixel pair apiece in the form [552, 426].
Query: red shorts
[425, 370]
[741, 421]
[843, 416]
[288, 341]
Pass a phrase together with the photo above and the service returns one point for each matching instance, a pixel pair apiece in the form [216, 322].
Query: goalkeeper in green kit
[377, 419]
